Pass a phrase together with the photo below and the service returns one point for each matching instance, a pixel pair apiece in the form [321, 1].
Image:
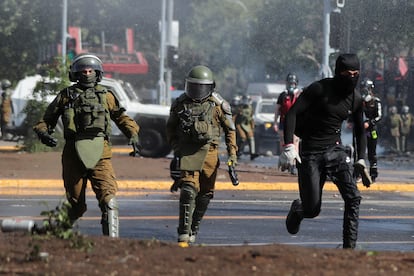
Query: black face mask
[346, 84]
[87, 80]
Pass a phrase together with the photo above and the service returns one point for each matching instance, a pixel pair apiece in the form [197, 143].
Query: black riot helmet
[292, 82]
[236, 100]
[5, 84]
[246, 100]
[366, 89]
[367, 84]
[82, 62]
[199, 83]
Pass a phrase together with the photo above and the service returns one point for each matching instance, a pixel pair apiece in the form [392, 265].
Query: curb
[55, 186]
[52, 186]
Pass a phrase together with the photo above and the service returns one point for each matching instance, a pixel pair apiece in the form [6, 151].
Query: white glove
[288, 156]
[361, 170]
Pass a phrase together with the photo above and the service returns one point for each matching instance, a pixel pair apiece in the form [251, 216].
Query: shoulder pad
[101, 88]
[226, 107]
[218, 99]
[182, 97]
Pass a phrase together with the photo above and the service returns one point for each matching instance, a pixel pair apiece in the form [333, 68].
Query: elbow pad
[229, 122]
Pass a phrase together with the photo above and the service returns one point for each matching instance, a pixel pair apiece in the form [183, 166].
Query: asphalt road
[245, 217]
[250, 214]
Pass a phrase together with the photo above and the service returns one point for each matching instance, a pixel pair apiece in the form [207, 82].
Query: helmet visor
[197, 91]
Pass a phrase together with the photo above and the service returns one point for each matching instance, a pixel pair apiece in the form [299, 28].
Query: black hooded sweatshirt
[318, 113]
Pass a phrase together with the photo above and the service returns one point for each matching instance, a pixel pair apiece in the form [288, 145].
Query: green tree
[288, 36]
[55, 79]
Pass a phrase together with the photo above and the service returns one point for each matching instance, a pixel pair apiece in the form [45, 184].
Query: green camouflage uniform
[194, 133]
[87, 150]
[407, 122]
[6, 109]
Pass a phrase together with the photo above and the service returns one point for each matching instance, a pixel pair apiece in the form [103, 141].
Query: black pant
[313, 171]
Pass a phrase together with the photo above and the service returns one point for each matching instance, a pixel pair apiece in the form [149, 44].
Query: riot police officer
[86, 109]
[194, 129]
[406, 125]
[6, 107]
[373, 114]
[245, 127]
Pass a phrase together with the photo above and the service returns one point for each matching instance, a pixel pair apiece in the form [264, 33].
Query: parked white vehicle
[151, 118]
[265, 136]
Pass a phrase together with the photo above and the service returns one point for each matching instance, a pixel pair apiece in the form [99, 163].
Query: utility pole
[325, 70]
[64, 31]
[169, 37]
[161, 81]
[170, 6]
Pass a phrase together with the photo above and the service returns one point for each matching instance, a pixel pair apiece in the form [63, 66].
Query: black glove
[175, 174]
[175, 186]
[47, 139]
[136, 145]
[175, 171]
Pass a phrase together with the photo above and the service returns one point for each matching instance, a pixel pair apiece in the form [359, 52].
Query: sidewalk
[389, 181]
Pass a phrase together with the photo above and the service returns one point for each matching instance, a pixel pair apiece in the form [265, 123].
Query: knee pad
[188, 193]
[110, 219]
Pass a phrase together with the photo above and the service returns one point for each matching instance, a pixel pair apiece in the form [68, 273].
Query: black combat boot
[373, 171]
[294, 217]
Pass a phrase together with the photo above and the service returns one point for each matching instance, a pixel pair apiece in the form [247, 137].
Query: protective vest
[197, 124]
[245, 115]
[86, 113]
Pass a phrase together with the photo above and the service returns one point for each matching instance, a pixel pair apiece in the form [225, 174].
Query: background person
[245, 127]
[6, 108]
[373, 114]
[86, 109]
[194, 128]
[317, 118]
[285, 100]
[406, 125]
[394, 123]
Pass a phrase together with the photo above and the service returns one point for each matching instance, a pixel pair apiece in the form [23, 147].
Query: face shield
[198, 92]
